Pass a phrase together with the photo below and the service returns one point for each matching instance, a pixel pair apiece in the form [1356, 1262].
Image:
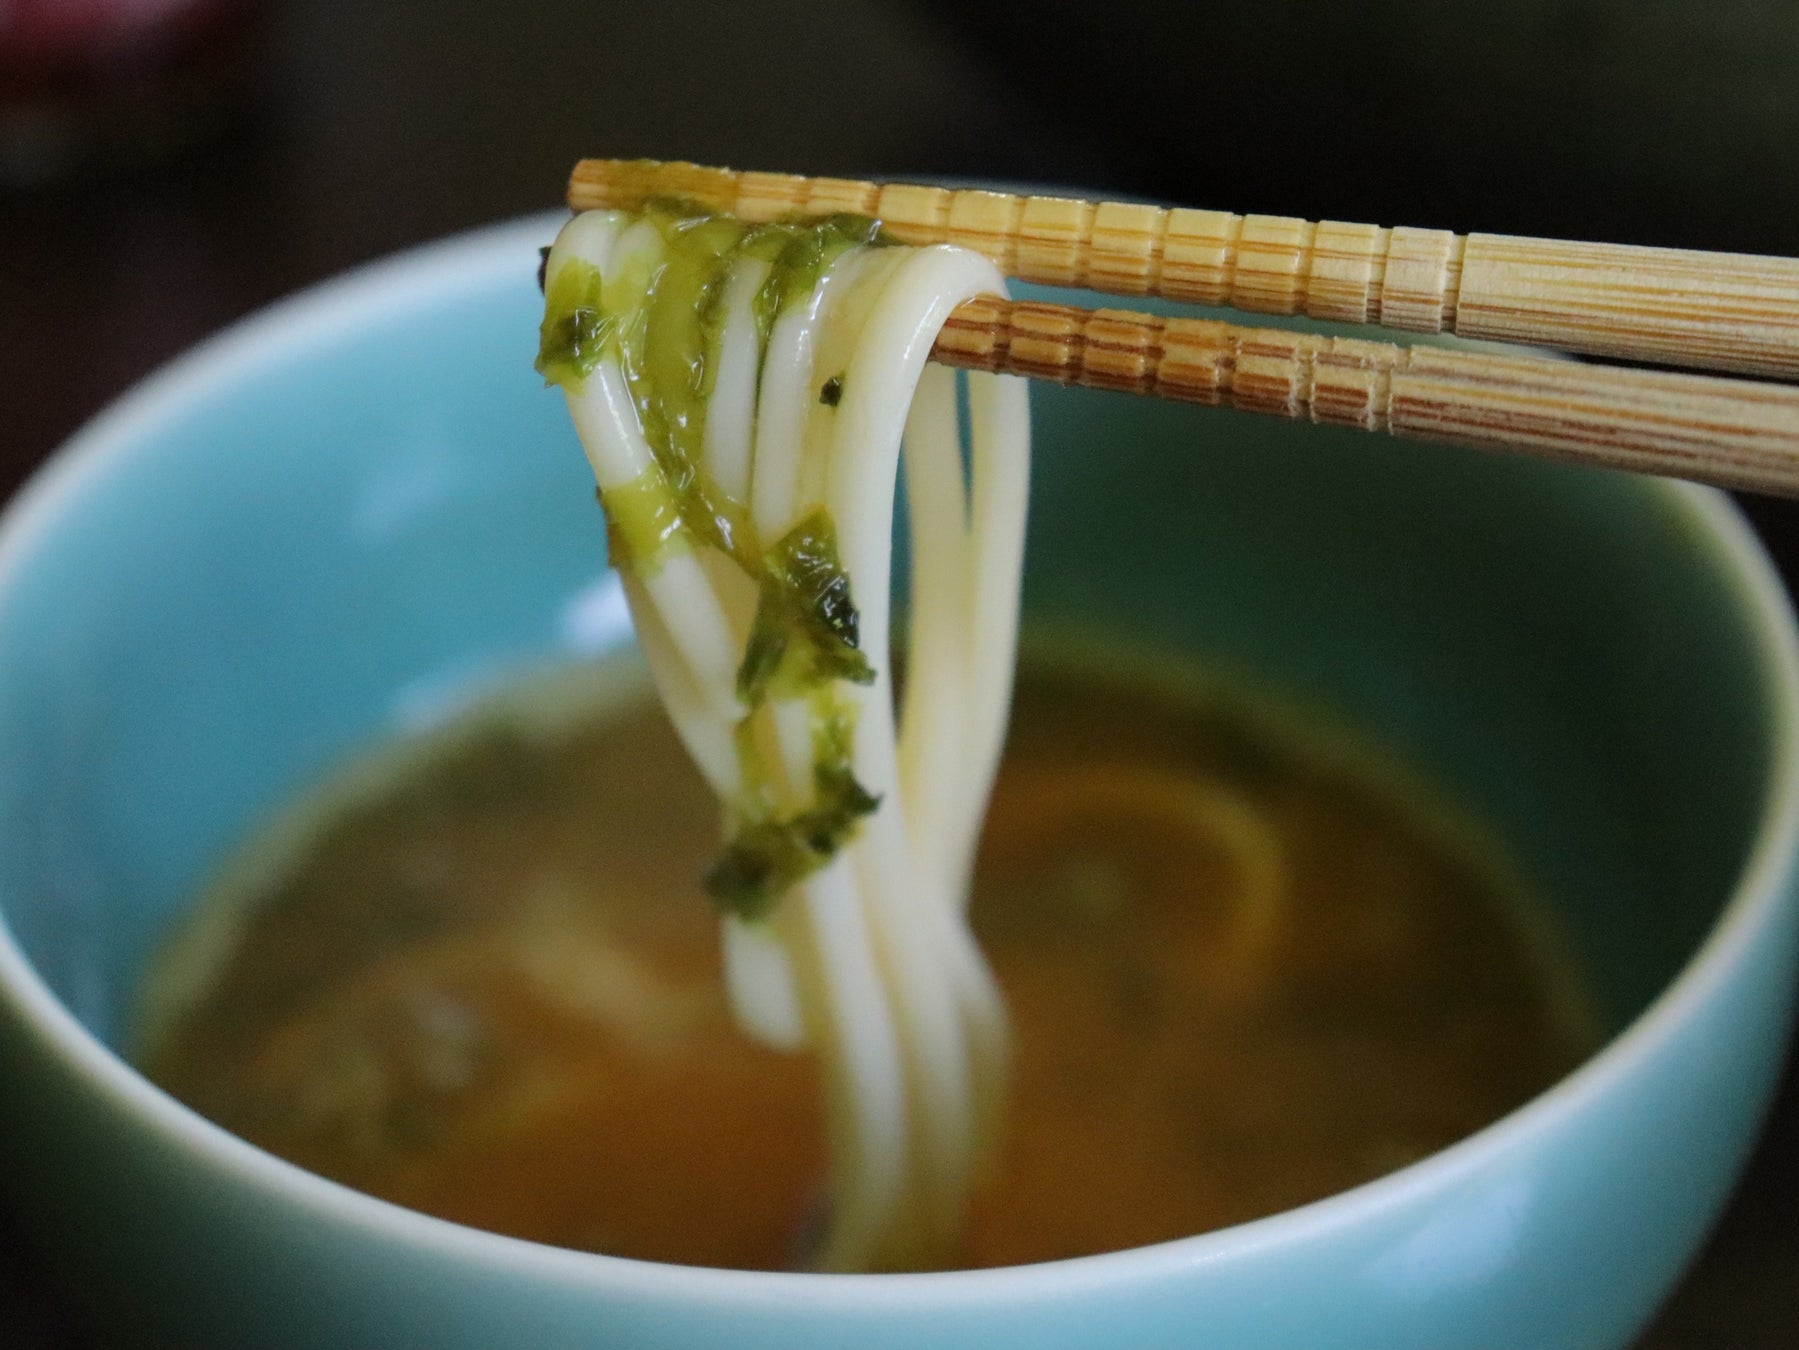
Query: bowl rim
[475, 260]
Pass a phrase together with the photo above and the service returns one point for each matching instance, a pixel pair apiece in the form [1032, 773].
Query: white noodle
[729, 422]
[868, 960]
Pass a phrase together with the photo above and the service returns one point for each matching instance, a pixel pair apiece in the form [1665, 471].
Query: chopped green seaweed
[765, 858]
[641, 521]
[806, 627]
[575, 328]
[662, 317]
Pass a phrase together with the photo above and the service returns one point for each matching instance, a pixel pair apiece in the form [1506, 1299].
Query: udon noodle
[744, 395]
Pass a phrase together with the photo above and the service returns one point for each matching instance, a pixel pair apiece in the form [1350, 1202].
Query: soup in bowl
[358, 521]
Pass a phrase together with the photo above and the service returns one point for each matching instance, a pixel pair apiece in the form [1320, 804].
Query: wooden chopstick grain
[1722, 311]
[1709, 429]
[1717, 311]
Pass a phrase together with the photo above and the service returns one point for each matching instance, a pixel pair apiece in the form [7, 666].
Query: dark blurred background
[160, 178]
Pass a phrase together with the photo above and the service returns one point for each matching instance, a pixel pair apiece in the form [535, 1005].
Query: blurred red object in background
[96, 85]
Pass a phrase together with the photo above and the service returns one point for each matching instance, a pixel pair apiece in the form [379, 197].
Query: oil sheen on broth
[478, 977]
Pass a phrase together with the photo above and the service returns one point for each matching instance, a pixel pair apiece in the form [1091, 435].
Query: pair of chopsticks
[1718, 311]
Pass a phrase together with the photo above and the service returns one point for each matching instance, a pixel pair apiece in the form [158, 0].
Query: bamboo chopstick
[1720, 311]
[1729, 433]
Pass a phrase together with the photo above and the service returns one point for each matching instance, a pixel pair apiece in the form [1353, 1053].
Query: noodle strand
[809, 384]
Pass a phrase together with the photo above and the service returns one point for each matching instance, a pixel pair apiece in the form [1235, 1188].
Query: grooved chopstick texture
[1730, 433]
[1720, 311]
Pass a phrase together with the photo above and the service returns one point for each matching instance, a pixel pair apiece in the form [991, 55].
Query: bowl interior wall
[371, 520]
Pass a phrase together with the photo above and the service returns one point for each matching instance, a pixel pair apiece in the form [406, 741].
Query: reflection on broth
[478, 977]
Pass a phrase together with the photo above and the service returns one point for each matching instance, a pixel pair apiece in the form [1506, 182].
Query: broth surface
[478, 977]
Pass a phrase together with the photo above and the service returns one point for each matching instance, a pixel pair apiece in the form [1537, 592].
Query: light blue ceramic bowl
[349, 513]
